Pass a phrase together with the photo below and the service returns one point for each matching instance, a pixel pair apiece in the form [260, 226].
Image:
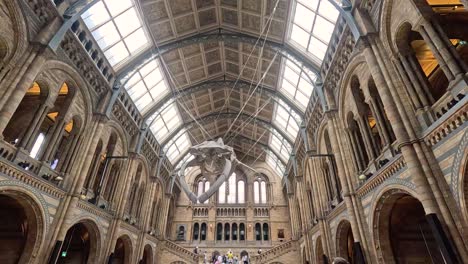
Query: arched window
[227, 232]
[202, 186]
[234, 232]
[203, 232]
[232, 192]
[241, 192]
[263, 196]
[196, 231]
[258, 232]
[256, 192]
[260, 191]
[219, 232]
[265, 232]
[222, 193]
[242, 232]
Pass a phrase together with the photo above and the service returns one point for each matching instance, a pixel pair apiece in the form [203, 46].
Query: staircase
[275, 252]
[181, 252]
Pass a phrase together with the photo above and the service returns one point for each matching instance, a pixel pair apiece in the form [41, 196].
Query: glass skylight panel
[280, 146]
[163, 122]
[296, 84]
[285, 121]
[117, 28]
[275, 164]
[313, 23]
[147, 86]
[177, 147]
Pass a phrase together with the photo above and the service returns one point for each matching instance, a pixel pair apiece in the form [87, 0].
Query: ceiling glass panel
[147, 86]
[117, 28]
[313, 22]
[285, 119]
[164, 121]
[275, 164]
[178, 146]
[296, 85]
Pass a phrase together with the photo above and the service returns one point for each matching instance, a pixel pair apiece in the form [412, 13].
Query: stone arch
[148, 255]
[344, 86]
[19, 40]
[95, 237]
[320, 257]
[123, 250]
[387, 202]
[117, 128]
[34, 211]
[344, 241]
[75, 81]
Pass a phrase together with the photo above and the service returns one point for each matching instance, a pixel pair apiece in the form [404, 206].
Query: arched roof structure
[245, 71]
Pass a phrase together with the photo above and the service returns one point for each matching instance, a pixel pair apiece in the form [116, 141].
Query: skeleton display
[215, 160]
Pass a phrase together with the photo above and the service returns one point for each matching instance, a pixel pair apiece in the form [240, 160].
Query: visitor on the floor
[235, 260]
[229, 257]
[245, 259]
[195, 250]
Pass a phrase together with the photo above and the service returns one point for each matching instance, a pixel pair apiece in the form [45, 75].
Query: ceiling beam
[223, 84]
[308, 66]
[283, 49]
[224, 116]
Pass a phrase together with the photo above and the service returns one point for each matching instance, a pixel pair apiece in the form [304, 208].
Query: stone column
[438, 49]
[424, 92]
[70, 152]
[431, 196]
[292, 214]
[380, 121]
[368, 140]
[53, 139]
[33, 128]
[82, 167]
[358, 226]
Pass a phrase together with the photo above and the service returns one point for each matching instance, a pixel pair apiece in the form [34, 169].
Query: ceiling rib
[220, 116]
[222, 84]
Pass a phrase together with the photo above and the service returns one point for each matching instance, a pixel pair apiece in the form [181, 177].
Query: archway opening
[121, 252]
[18, 129]
[321, 258]
[411, 237]
[147, 255]
[345, 240]
[402, 231]
[15, 230]
[76, 245]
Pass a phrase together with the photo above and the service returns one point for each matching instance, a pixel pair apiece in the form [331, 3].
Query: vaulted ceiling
[237, 87]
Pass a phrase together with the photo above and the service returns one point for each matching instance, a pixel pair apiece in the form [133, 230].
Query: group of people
[228, 258]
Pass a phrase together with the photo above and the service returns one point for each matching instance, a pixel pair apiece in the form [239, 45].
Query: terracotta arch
[123, 250]
[95, 238]
[34, 212]
[344, 241]
[319, 251]
[388, 202]
[147, 255]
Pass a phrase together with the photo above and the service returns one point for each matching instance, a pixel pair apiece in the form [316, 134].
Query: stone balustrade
[275, 252]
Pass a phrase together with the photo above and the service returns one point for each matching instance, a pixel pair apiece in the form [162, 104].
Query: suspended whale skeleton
[214, 159]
